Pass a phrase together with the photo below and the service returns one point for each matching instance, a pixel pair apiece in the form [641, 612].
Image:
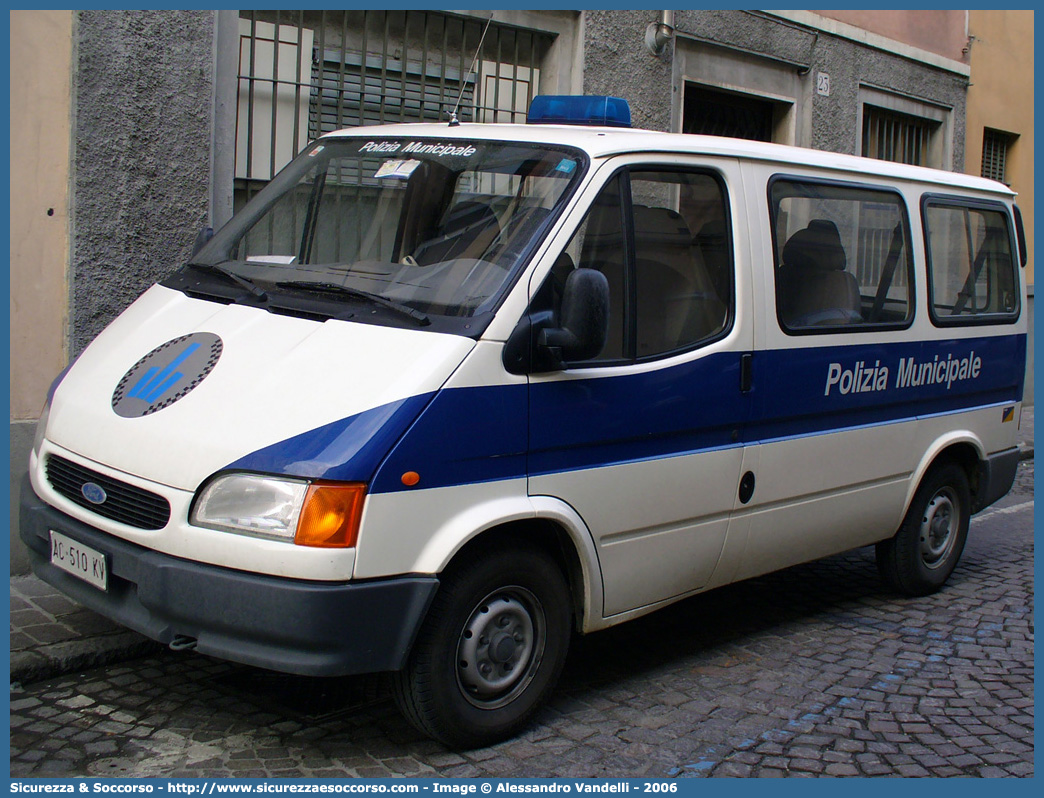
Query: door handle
[746, 372]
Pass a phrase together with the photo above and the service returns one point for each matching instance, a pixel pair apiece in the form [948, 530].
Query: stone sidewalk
[51, 635]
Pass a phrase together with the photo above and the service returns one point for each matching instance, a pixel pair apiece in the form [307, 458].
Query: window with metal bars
[306, 73]
[717, 113]
[891, 136]
[995, 154]
[345, 93]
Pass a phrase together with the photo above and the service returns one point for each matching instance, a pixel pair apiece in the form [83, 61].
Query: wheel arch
[960, 446]
[547, 523]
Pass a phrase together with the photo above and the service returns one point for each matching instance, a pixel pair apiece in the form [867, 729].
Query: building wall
[1001, 97]
[777, 58]
[112, 128]
[939, 31]
[41, 54]
[142, 161]
[617, 63]
[41, 114]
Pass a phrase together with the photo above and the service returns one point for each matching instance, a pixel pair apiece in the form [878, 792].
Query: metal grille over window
[306, 73]
[995, 154]
[115, 500]
[714, 113]
[890, 136]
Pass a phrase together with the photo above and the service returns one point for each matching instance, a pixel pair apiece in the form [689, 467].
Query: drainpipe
[657, 34]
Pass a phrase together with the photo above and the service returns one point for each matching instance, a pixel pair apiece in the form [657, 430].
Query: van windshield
[438, 227]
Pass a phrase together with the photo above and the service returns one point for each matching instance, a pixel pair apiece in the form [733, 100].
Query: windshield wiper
[243, 282]
[356, 293]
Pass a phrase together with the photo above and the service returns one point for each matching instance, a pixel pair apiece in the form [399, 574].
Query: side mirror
[584, 320]
[536, 345]
[202, 237]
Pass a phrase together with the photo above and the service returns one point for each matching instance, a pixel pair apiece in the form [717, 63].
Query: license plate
[79, 560]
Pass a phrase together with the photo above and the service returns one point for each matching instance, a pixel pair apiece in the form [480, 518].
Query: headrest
[713, 233]
[662, 226]
[817, 247]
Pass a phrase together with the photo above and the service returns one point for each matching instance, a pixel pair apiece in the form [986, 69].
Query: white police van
[442, 395]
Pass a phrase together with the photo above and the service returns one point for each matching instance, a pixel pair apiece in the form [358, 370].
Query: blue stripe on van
[469, 435]
[690, 407]
[348, 450]
[793, 397]
[465, 436]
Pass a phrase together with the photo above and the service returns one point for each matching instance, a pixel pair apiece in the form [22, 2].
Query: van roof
[600, 142]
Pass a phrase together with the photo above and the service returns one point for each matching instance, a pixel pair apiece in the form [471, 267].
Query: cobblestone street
[813, 671]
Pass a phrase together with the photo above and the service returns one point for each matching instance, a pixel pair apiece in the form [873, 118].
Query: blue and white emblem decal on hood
[166, 374]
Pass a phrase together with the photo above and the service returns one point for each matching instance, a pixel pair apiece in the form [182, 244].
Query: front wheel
[491, 649]
[923, 553]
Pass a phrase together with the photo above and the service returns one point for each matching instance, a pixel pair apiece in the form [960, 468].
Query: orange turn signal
[331, 515]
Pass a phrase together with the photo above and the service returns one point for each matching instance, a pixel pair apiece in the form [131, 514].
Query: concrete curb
[59, 659]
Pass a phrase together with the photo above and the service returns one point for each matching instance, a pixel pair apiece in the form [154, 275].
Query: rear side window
[971, 265]
[842, 257]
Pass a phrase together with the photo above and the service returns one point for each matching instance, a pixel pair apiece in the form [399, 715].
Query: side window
[970, 263]
[842, 257]
[683, 282]
[661, 238]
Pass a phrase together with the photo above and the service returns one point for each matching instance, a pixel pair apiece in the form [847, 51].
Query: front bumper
[290, 625]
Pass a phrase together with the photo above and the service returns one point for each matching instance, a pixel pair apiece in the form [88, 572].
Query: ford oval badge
[93, 493]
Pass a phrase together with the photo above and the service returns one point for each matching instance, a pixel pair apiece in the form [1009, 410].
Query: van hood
[176, 389]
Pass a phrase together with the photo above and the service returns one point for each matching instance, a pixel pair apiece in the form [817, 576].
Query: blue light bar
[568, 109]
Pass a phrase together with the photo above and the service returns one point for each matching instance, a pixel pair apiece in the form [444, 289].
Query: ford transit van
[441, 396]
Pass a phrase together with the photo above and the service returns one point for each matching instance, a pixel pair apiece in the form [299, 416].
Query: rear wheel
[491, 649]
[923, 553]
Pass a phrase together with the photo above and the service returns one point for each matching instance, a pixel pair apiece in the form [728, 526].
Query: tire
[491, 649]
[921, 556]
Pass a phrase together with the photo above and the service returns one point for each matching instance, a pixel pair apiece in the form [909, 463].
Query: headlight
[306, 513]
[41, 428]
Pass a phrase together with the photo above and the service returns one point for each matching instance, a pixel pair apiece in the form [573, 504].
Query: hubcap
[939, 526]
[500, 647]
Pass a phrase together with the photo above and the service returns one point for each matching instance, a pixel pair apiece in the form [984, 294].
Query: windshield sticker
[316, 151]
[275, 260]
[566, 165]
[401, 169]
[419, 148]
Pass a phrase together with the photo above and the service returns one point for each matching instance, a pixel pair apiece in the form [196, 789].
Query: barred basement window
[995, 154]
[718, 113]
[891, 136]
[346, 94]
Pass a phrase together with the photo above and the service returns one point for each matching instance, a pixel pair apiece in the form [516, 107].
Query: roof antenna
[453, 121]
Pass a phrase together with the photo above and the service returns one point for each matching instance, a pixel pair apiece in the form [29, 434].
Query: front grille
[125, 503]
